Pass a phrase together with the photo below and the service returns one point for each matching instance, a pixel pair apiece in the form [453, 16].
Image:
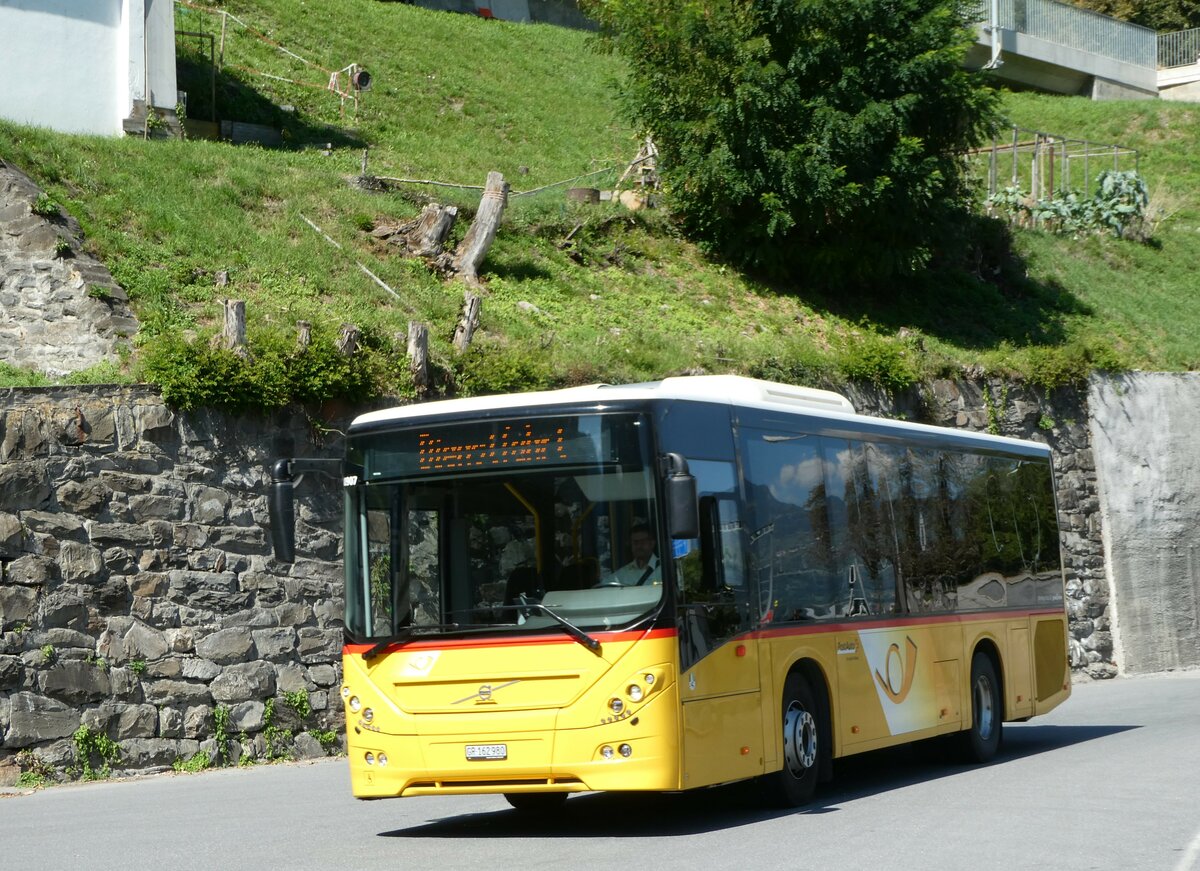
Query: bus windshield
[544, 523]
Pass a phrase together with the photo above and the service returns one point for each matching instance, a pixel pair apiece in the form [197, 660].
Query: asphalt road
[1111, 780]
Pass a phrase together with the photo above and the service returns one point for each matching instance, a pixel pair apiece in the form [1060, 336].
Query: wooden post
[303, 334]
[224, 21]
[233, 335]
[469, 322]
[475, 245]
[431, 231]
[418, 354]
[347, 343]
[363, 171]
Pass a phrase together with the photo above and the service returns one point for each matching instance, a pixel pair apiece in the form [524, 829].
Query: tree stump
[474, 246]
[469, 321]
[418, 354]
[432, 229]
[347, 342]
[233, 334]
[303, 334]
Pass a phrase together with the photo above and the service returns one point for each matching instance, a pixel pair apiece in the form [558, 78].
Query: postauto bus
[811, 583]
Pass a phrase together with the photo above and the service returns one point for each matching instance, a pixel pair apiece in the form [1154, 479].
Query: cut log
[418, 354]
[469, 321]
[474, 247]
[303, 334]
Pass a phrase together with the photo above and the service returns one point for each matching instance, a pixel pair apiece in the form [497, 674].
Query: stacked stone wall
[139, 595]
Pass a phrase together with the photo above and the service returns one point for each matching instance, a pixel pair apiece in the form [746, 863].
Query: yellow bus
[678, 584]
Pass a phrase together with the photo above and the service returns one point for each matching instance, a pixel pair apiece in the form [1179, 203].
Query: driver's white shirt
[630, 573]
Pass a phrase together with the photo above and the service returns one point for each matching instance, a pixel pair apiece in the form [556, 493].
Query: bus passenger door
[719, 668]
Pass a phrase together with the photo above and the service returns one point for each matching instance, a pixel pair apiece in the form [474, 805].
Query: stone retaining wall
[139, 596]
[138, 592]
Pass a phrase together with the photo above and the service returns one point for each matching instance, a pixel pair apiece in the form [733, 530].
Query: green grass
[574, 293]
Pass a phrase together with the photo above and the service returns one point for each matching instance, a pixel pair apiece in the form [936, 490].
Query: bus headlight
[382, 759]
[625, 750]
[355, 704]
[368, 715]
[345, 691]
[616, 706]
[634, 691]
[369, 757]
[606, 752]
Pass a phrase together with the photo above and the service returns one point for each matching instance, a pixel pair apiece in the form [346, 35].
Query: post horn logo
[901, 669]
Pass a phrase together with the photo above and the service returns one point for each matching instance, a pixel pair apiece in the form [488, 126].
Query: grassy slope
[456, 96]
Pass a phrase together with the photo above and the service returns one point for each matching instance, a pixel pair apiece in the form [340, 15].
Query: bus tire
[804, 745]
[980, 742]
[536, 802]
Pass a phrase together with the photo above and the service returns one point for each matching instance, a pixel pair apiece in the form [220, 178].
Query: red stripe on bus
[861, 625]
[523, 641]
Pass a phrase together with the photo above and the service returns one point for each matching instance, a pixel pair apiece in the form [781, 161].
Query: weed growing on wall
[92, 745]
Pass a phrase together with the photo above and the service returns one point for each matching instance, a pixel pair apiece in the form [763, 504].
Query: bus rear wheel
[982, 740]
[537, 802]
[803, 745]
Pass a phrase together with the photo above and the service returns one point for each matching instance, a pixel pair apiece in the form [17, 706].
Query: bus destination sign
[531, 441]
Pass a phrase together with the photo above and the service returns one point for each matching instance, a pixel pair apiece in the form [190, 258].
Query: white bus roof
[722, 389]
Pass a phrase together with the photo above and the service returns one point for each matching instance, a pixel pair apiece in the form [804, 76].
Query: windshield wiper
[592, 644]
[404, 635]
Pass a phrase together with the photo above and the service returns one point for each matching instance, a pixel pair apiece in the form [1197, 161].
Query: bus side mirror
[683, 515]
[282, 510]
[285, 475]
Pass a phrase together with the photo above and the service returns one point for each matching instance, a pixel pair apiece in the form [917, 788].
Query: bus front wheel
[982, 740]
[803, 744]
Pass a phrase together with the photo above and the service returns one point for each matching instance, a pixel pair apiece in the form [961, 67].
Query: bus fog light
[634, 692]
[382, 759]
[616, 705]
[355, 704]
[368, 715]
[606, 752]
[370, 758]
[625, 750]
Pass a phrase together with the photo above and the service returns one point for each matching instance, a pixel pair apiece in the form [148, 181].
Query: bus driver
[644, 568]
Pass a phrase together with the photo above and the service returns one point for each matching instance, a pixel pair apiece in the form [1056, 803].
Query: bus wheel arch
[980, 741]
[807, 736]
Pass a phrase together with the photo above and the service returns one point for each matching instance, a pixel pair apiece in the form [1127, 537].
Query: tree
[817, 138]
[1161, 15]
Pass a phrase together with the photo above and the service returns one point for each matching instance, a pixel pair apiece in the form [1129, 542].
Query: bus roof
[733, 390]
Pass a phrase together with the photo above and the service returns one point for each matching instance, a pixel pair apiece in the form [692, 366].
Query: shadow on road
[608, 815]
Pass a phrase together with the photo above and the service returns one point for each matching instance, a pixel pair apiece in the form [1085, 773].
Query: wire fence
[1043, 164]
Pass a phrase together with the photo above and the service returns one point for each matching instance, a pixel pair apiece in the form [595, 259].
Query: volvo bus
[823, 583]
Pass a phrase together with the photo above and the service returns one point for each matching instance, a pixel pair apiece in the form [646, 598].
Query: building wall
[80, 66]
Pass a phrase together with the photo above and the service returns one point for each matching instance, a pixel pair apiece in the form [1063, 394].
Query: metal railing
[1076, 28]
[1179, 49]
[1042, 165]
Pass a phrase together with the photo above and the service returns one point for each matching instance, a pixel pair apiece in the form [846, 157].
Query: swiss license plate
[477, 752]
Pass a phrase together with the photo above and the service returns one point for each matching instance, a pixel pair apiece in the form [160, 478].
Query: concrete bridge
[1057, 47]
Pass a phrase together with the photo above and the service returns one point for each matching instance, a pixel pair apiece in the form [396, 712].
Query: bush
[488, 368]
[274, 373]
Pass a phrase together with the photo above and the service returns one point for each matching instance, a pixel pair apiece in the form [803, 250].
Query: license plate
[477, 752]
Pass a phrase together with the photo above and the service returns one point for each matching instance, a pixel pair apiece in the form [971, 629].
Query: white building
[85, 66]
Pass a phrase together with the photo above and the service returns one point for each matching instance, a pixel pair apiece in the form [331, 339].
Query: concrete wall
[1144, 428]
[81, 66]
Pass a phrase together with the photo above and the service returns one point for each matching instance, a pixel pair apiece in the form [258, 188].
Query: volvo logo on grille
[483, 695]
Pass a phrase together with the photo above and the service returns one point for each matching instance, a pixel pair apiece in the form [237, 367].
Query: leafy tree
[814, 138]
